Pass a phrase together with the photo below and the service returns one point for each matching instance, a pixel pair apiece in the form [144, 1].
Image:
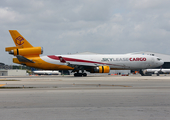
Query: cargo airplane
[156, 71]
[46, 72]
[28, 55]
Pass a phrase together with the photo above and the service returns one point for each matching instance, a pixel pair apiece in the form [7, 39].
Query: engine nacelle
[101, 69]
[27, 51]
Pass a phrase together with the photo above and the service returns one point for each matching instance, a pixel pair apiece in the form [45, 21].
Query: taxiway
[83, 98]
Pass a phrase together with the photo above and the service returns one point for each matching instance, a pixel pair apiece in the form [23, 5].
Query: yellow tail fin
[19, 40]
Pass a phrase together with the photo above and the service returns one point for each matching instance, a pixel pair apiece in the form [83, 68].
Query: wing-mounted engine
[100, 69]
[25, 51]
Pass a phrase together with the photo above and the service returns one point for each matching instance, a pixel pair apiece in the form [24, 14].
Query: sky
[98, 26]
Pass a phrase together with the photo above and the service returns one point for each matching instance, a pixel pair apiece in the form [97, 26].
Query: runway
[85, 98]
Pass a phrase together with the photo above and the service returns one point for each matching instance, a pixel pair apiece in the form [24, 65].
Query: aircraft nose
[161, 62]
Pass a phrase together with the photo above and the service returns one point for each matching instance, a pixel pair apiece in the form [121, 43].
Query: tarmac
[95, 97]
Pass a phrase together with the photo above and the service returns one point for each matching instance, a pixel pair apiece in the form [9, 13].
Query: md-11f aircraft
[28, 55]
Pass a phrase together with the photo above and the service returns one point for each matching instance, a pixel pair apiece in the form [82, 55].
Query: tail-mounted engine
[25, 51]
[101, 69]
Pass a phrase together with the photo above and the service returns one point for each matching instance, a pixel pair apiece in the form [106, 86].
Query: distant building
[7, 70]
[13, 72]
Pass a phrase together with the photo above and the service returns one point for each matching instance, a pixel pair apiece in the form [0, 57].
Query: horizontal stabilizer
[23, 59]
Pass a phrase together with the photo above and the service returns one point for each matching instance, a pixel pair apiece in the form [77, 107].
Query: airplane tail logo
[19, 40]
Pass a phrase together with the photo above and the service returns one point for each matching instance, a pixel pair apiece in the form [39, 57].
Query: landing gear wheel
[78, 75]
[84, 74]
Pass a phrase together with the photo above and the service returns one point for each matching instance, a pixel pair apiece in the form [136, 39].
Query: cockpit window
[158, 59]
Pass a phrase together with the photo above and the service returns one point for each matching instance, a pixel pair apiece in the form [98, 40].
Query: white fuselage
[114, 61]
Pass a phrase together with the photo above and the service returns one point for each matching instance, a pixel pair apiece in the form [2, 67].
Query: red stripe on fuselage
[77, 60]
[54, 57]
[72, 59]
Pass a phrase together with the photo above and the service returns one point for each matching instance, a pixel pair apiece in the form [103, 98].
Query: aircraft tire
[84, 74]
[77, 74]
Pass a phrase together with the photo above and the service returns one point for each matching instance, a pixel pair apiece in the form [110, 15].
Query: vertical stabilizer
[19, 40]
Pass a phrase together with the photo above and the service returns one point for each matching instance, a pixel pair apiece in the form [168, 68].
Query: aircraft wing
[76, 62]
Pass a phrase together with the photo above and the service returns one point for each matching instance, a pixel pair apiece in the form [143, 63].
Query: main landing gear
[77, 74]
[80, 74]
